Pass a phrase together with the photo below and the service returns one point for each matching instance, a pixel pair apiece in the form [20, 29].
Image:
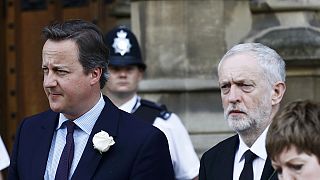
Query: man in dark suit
[252, 84]
[83, 135]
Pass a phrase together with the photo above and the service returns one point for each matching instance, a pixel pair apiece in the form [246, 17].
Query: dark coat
[217, 163]
[140, 151]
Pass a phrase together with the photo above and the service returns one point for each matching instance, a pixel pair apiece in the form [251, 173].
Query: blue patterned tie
[66, 157]
[247, 171]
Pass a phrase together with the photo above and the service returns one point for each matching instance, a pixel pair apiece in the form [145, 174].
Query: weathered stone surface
[194, 110]
[182, 85]
[182, 41]
[298, 43]
[265, 6]
[291, 27]
[303, 83]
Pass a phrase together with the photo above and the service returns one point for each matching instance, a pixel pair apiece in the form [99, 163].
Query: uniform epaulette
[163, 112]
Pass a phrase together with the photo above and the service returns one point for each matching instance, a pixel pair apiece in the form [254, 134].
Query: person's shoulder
[221, 147]
[173, 125]
[135, 123]
[138, 131]
[40, 115]
[160, 108]
[38, 118]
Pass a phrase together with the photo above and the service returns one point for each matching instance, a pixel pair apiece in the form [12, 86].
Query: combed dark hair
[92, 51]
[298, 125]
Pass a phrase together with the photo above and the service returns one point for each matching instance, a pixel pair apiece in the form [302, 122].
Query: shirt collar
[87, 120]
[257, 148]
[130, 105]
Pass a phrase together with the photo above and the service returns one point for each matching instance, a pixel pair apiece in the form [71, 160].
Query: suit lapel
[41, 152]
[227, 159]
[107, 121]
[232, 150]
[268, 172]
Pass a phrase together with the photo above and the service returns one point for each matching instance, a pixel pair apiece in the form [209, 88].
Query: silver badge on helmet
[121, 44]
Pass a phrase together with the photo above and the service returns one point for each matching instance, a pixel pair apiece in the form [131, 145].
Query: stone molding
[178, 85]
[292, 43]
[284, 5]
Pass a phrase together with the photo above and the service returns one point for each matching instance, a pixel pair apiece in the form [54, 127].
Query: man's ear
[278, 91]
[95, 75]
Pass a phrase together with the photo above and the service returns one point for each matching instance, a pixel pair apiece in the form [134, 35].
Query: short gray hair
[269, 60]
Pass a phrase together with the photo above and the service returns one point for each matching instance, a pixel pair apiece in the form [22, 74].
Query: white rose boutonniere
[102, 141]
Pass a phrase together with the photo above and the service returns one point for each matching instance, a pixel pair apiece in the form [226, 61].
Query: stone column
[182, 41]
[292, 28]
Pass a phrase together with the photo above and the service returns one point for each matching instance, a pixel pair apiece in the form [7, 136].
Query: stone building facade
[182, 41]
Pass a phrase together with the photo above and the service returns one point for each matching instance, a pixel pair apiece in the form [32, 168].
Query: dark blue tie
[247, 171]
[66, 157]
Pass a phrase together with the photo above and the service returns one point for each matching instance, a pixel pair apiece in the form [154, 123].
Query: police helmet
[124, 48]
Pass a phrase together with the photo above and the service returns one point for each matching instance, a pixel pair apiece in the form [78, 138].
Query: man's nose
[234, 94]
[49, 80]
[123, 73]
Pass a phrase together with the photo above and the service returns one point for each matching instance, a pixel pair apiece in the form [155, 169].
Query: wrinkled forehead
[239, 67]
[240, 61]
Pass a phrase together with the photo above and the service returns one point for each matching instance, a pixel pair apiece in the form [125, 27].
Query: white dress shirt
[4, 157]
[81, 135]
[257, 148]
[184, 159]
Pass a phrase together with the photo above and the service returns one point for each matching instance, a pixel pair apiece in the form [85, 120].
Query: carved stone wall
[182, 41]
[292, 29]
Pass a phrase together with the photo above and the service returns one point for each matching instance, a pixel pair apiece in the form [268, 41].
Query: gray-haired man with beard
[252, 83]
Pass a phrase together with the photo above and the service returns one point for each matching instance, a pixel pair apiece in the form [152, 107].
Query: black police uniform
[149, 111]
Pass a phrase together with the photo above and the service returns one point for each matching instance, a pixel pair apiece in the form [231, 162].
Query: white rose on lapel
[102, 141]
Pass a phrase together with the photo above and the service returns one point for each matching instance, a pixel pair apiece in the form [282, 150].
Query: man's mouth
[54, 94]
[236, 112]
[123, 83]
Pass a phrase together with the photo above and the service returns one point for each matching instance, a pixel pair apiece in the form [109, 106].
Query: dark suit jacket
[140, 151]
[217, 163]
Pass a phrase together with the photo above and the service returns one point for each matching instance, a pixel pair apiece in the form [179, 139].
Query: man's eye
[225, 89]
[113, 68]
[45, 70]
[247, 87]
[62, 72]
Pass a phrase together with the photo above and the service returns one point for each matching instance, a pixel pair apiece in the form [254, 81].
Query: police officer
[126, 70]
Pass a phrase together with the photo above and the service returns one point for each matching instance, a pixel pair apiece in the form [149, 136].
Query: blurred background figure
[293, 141]
[126, 71]
[4, 158]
